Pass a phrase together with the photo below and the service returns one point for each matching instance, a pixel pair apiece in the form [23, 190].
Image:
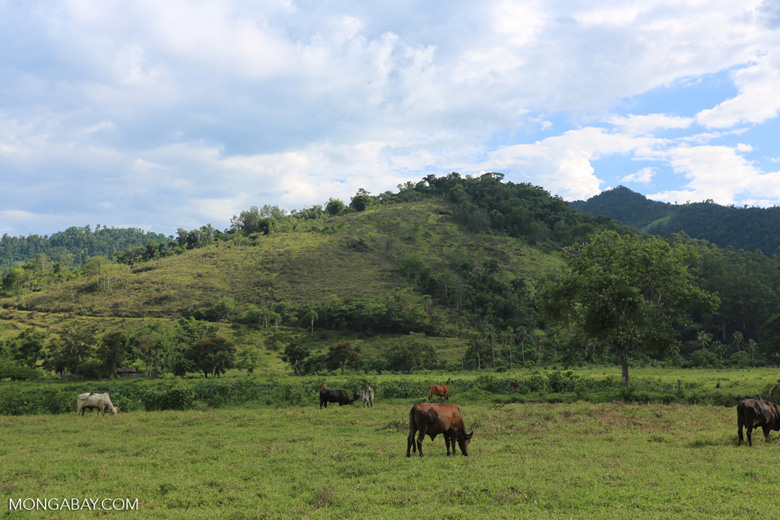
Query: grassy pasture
[528, 460]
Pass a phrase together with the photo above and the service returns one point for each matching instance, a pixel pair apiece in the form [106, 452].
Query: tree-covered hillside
[747, 228]
[72, 247]
[445, 272]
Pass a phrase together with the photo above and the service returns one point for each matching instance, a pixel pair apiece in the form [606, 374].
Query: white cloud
[563, 164]
[648, 124]
[718, 173]
[167, 112]
[757, 100]
[643, 176]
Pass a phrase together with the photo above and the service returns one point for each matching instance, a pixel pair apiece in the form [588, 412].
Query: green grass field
[530, 460]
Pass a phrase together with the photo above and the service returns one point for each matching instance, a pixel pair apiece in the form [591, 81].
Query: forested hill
[73, 246]
[747, 228]
[456, 262]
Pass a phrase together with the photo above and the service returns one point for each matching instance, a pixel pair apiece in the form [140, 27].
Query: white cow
[366, 395]
[100, 401]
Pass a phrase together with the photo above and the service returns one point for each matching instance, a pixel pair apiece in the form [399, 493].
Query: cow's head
[464, 439]
[114, 410]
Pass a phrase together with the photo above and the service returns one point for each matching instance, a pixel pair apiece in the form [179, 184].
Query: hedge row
[35, 397]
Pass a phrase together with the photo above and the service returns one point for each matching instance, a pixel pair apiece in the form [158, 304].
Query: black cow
[436, 418]
[334, 396]
[753, 413]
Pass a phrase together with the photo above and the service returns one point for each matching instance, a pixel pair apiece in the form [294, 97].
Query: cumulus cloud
[172, 114]
[719, 173]
[563, 164]
[757, 100]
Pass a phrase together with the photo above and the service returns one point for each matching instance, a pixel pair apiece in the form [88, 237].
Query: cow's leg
[767, 430]
[750, 435]
[420, 438]
[453, 441]
[739, 429]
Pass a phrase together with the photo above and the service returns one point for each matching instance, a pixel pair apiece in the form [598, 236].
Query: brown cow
[753, 413]
[436, 418]
[440, 390]
[514, 385]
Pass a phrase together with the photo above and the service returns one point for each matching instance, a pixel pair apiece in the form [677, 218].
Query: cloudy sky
[171, 114]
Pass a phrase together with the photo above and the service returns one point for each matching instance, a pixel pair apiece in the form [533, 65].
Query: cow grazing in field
[101, 402]
[514, 385]
[753, 413]
[440, 390]
[366, 395]
[334, 396]
[433, 419]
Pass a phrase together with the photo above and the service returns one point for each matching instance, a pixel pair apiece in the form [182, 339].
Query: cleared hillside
[352, 256]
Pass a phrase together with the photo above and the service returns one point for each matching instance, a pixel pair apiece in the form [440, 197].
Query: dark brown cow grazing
[440, 390]
[753, 413]
[436, 418]
[514, 385]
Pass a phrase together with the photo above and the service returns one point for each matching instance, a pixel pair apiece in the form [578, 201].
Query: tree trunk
[624, 367]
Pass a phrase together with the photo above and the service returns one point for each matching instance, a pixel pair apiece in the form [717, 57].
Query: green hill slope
[352, 256]
[371, 277]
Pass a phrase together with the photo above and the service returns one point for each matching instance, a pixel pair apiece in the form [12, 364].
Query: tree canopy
[627, 292]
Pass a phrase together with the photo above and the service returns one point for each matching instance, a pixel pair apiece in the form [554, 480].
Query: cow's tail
[412, 430]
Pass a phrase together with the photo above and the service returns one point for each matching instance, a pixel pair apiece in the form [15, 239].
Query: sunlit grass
[527, 461]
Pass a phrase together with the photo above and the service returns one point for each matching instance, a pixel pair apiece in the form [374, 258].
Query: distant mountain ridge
[747, 228]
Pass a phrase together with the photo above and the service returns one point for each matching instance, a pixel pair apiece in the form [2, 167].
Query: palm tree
[427, 299]
[704, 339]
[509, 336]
[752, 345]
[312, 316]
[737, 339]
[491, 337]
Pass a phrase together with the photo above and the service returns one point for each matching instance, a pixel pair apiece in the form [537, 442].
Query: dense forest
[452, 271]
[747, 228]
[72, 247]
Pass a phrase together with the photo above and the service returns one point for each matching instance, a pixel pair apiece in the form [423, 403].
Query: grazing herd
[433, 419]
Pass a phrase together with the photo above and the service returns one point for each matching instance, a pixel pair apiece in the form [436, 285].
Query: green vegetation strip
[528, 460]
[711, 387]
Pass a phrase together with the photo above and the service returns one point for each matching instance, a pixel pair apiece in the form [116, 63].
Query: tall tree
[296, 355]
[628, 292]
[29, 346]
[342, 355]
[76, 345]
[412, 352]
[213, 355]
[311, 316]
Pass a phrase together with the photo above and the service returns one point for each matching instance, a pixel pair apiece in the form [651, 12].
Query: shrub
[168, 396]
